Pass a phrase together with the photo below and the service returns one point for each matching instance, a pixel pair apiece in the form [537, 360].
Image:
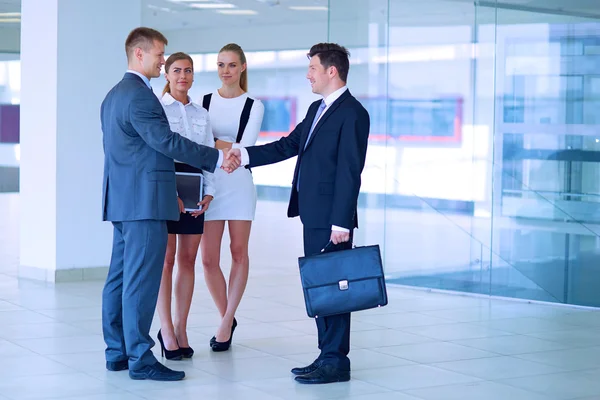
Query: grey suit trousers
[131, 290]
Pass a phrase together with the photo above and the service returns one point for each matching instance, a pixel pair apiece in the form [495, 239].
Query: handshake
[232, 159]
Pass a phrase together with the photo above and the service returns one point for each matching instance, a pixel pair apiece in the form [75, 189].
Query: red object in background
[9, 123]
[436, 120]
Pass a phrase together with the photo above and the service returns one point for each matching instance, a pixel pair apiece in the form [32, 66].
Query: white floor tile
[74, 314]
[6, 306]
[119, 395]
[31, 365]
[583, 337]
[448, 332]
[526, 325]
[283, 346]
[63, 345]
[42, 330]
[384, 396]
[510, 345]
[16, 317]
[428, 353]
[287, 388]
[477, 391]
[248, 369]
[569, 385]
[10, 349]
[411, 377]
[216, 391]
[401, 320]
[498, 367]
[53, 386]
[422, 345]
[385, 337]
[571, 359]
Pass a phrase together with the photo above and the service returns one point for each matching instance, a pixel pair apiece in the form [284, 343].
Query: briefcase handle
[329, 247]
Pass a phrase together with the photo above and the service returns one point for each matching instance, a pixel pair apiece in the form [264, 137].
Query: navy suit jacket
[329, 167]
[139, 149]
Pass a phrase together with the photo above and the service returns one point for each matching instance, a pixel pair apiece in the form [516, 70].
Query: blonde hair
[235, 48]
[172, 58]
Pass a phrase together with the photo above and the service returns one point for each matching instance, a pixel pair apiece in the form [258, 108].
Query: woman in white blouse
[192, 121]
[236, 120]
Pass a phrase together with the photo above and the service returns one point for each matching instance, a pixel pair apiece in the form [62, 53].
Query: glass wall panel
[483, 168]
[362, 27]
[10, 99]
[547, 202]
[488, 115]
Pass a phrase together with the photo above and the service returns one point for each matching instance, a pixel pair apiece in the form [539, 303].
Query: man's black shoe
[308, 369]
[324, 374]
[156, 372]
[117, 365]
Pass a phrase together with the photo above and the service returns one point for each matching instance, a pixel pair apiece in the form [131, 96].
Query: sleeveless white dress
[235, 193]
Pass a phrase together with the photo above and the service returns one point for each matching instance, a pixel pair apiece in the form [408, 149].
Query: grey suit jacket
[139, 149]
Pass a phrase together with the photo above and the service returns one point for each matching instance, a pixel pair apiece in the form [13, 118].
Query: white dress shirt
[328, 101]
[192, 122]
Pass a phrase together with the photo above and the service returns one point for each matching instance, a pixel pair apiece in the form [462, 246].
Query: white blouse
[192, 122]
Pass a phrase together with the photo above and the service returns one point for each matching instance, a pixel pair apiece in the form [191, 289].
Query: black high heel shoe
[187, 352]
[175, 355]
[223, 346]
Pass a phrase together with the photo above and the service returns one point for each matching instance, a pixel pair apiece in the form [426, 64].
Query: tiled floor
[421, 346]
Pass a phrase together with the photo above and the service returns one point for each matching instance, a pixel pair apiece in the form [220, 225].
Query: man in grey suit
[139, 196]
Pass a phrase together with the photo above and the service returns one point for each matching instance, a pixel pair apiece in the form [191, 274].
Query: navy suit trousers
[333, 331]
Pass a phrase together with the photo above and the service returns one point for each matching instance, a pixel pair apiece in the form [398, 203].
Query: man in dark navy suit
[331, 145]
[138, 197]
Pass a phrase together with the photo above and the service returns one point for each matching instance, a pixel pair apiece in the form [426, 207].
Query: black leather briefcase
[343, 281]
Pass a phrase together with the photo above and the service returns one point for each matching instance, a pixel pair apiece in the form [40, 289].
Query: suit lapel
[324, 117]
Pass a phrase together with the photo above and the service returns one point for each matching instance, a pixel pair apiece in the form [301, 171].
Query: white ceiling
[182, 16]
[176, 15]
[277, 12]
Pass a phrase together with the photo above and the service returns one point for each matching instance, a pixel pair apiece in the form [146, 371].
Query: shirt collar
[167, 100]
[146, 80]
[334, 96]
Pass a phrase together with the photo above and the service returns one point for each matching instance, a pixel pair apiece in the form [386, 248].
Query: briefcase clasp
[343, 285]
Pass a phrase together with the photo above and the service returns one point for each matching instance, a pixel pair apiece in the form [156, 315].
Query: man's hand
[181, 206]
[338, 237]
[204, 203]
[231, 161]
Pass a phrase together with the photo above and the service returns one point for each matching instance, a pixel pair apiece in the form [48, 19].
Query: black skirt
[187, 225]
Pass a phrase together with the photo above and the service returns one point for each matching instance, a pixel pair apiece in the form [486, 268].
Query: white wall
[61, 138]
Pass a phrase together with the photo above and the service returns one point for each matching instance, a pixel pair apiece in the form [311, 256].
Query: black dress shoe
[324, 374]
[168, 354]
[156, 372]
[308, 369]
[117, 365]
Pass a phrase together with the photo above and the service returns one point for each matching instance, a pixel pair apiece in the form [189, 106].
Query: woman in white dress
[236, 120]
[192, 121]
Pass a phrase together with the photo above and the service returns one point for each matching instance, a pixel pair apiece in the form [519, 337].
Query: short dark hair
[332, 54]
[144, 38]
